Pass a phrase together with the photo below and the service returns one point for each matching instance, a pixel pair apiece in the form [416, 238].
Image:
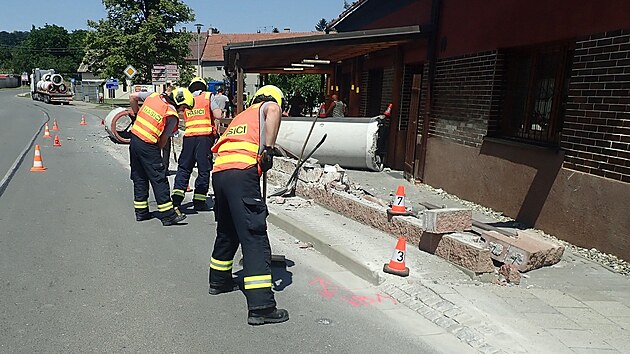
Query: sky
[229, 16]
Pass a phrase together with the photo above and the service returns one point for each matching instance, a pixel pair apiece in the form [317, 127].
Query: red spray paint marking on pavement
[328, 290]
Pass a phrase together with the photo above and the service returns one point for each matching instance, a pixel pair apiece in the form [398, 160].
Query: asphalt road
[78, 274]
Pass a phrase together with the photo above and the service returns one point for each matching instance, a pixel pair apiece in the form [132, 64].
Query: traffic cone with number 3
[396, 265]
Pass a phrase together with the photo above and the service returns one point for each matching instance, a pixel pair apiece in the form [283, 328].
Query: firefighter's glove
[266, 159]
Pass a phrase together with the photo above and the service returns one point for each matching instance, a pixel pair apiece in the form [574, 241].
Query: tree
[321, 25]
[8, 44]
[275, 30]
[136, 32]
[49, 47]
[308, 84]
[346, 5]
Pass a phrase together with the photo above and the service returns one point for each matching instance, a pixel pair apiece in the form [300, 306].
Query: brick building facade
[527, 107]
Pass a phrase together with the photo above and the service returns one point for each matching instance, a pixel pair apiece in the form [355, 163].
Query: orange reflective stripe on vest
[198, 120]
[239, 145]
[150, 121]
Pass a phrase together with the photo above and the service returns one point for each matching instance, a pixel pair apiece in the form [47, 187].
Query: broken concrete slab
[447, 220]
[465, 250]
[511, 273]
[527, 251]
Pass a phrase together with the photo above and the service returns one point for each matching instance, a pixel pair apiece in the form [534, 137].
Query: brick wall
[596, 130]
[463, 98]
[388, 83]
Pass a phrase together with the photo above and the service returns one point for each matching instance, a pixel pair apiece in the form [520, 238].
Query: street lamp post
[198, 25]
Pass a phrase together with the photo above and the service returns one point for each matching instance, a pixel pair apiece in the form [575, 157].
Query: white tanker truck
[49, 87]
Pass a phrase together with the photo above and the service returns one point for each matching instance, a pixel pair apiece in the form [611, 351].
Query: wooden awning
[272, 56]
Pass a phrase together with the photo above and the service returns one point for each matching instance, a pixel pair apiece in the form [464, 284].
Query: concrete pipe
[351, 142]
[45, 85]
[56, 79]
[62, 88]
[118, 125]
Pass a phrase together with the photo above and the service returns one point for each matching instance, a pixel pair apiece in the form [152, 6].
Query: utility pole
[198, 25]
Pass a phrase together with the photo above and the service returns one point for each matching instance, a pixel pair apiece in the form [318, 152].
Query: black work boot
[176, 218]
[271, 315]
[143, 215]
[201, 205]
[222, 289]
[177, 200]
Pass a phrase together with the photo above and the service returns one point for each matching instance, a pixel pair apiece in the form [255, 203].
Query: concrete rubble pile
[445, 232]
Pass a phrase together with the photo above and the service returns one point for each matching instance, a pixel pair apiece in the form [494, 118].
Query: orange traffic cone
[46, 132]
[322, 111]
[55, 126]
[398, 205]
[38, 165]
[388, 111]
[396, 265]
[57, 142]
[83, 122]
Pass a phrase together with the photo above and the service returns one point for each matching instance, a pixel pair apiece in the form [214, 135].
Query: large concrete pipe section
[118, 124]
[351, 141]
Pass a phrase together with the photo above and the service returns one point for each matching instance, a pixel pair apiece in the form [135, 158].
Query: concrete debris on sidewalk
[291, 203]
[445, 232]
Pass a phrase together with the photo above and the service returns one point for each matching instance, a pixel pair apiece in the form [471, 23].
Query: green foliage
[8, 42]
[321, 25]
[275, 30]
[140, 33]
[308, 84]
[49, 47]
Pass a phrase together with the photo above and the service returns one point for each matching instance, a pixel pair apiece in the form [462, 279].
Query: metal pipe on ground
[117, 124]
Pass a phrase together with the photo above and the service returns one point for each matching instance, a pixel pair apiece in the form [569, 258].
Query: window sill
[521, 144]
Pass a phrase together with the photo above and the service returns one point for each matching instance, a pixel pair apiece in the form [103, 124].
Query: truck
[49, 87]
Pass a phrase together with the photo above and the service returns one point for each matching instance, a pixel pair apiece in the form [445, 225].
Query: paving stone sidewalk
[575, 306]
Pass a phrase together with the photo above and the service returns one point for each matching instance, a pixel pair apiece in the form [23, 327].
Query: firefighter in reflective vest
[245, 151]
[198, 139]
[154, 123]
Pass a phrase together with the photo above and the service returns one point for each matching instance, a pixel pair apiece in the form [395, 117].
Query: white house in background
[212, 52]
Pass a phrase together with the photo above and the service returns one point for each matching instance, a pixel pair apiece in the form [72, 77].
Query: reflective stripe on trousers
[220, 265]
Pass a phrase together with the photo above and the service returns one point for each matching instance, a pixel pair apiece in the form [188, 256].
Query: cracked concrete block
[527, 251]
[466, 251]
[363, 211]
[511, 273]
[311, 175]
[441, 221]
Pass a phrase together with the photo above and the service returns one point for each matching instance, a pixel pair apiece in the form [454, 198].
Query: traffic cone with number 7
[396, 265]
[398, 205]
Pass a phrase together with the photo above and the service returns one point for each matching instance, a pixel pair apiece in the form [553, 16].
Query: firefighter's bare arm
[133, 102]
[273, 116]
[171, 125]
[135, 98]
